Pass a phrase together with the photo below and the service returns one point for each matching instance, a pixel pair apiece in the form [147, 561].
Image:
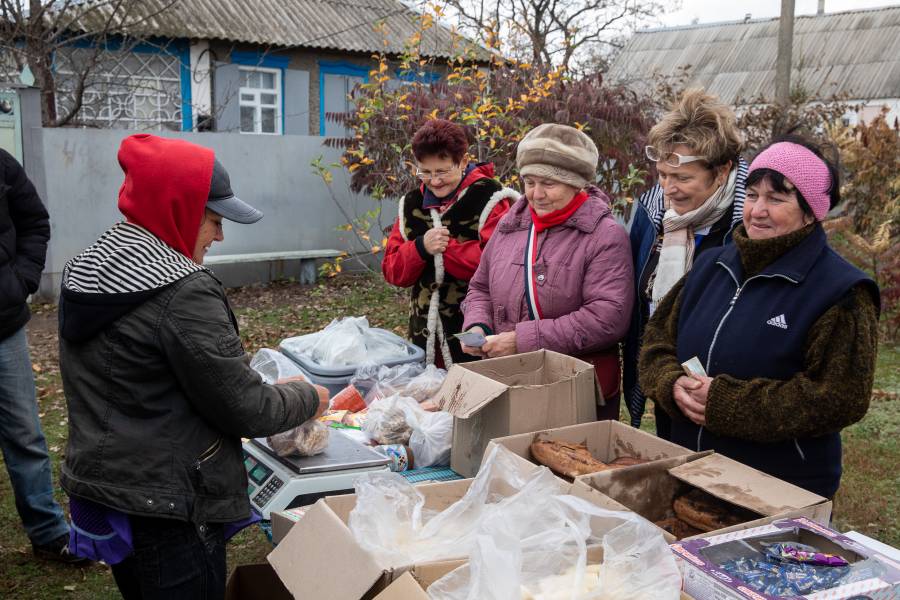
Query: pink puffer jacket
[584, 279]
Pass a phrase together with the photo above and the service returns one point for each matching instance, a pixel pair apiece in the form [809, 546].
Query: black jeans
[173, 560]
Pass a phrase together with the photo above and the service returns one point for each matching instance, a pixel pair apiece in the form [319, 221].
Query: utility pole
[783, 63]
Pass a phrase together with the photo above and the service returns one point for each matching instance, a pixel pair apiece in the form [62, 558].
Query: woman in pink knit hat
[784, 328]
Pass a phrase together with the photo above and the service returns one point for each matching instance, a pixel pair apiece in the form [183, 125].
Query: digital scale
[275, 483]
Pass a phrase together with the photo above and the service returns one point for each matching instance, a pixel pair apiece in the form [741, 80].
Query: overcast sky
[709, 11]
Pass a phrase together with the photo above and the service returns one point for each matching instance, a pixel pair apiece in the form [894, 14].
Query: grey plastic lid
[314, 369]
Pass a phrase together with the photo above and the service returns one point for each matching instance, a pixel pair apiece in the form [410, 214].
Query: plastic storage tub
[337, 378]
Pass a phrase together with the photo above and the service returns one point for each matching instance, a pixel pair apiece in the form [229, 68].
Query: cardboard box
[514, 394]
[407, 587]
[319, 551]
[255, 582]
[705, 579]
[284, 520]
[650, 489]
[317, 554]
[605, 440]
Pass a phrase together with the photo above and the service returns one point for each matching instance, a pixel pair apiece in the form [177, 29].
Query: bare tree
[77, 50]
[568, 33]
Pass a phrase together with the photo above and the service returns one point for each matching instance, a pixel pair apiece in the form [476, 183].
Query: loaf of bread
[705, 512]
[677, 527]
[627, 461]
[566, 458]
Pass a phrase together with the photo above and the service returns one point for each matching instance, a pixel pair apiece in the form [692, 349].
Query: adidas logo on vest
[778, 321]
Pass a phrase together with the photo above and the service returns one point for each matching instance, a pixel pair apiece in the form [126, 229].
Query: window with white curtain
[260, 94]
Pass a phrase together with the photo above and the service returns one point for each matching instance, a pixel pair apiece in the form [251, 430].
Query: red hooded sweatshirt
[166, 187]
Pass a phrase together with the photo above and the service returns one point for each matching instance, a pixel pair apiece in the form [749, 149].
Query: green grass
[868, 500]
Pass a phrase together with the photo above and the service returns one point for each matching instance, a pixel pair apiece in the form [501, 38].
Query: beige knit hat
[560, 153]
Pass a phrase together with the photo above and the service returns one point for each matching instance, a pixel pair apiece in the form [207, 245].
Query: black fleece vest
[750, 327]
[462, 219]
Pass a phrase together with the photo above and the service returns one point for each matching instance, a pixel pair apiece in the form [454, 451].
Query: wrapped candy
[801, 553]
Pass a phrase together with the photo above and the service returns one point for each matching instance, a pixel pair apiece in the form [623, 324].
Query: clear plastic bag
[387, 421]
[410, 379]
[347, 341]
[308, 439]
[553, 564]
[273, 365]
[401, 420]
[390, 518]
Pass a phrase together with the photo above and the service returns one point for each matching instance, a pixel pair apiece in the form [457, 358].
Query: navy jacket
[758, 327]
[645, 227]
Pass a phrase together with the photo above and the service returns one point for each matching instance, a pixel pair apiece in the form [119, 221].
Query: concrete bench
[307, 260]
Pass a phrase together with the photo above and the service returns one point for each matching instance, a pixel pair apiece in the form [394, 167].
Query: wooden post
[783, 63]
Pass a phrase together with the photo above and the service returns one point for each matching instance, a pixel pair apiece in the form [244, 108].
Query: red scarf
[558, 217]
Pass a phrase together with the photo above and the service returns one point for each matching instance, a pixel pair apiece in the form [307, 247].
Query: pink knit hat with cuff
[801, 167]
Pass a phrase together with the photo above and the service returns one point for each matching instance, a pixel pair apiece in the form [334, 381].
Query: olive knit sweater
[831, 393]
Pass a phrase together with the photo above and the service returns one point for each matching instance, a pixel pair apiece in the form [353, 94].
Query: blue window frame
[265, 60]
[337, 68]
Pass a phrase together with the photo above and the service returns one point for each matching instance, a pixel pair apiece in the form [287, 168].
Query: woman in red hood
[157, 383]
[442, 227]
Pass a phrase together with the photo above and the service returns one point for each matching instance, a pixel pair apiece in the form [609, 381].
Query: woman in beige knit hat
[557, 273]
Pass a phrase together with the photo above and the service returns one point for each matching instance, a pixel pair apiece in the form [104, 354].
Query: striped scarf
[126, 258]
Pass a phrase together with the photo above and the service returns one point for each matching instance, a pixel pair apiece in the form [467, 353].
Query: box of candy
[789, 558]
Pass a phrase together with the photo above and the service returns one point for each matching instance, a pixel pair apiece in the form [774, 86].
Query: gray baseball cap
[222, 200]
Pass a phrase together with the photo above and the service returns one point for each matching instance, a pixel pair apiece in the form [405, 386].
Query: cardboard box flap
[744, 486]
[323, 574]
[403, 588]
[465, 392]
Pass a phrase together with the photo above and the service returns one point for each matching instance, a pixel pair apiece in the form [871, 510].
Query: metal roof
[856, 53]
[346, 25]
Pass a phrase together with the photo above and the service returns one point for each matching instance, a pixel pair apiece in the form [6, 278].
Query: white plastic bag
[552, 564]
[347, 341]
[308, 439]
[273, 365]
[390, 519]
[431, 439]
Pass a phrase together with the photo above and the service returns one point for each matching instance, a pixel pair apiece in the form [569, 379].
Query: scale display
[274, 482]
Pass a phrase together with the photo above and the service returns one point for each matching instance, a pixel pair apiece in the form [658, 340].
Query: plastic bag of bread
[411, 380]
[308, 439]
[386, 420]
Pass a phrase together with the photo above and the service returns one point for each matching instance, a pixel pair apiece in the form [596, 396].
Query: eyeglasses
[439, 174]
[673, 159]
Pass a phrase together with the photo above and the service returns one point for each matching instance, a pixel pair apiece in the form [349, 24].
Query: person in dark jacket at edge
[436, 242]
[158, 386]
[784, 327]
[24, 233]
[694, 208]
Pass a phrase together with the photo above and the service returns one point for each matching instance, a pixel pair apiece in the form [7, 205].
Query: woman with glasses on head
[436, 242]
[785, 329]
[694, 207]
[557, 274]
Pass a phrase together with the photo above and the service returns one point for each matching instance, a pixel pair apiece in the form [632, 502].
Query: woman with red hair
[442, 227]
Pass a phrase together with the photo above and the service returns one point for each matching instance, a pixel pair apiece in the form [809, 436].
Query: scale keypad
[266, 493]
